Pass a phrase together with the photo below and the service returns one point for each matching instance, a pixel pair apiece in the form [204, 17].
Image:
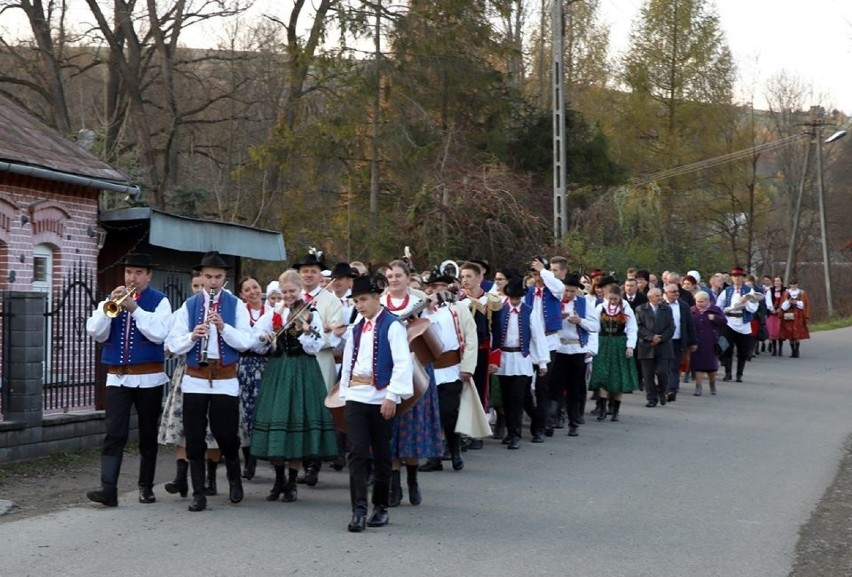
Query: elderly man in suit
[684, 337]
[656, 327]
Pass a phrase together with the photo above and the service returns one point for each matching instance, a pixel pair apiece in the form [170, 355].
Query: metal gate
[70, 369]
[176, 286]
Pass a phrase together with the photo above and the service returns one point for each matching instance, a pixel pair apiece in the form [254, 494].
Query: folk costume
[568, 379]
[377, 366]
[521, 350]
[794, 313]
[545, 299]
[738, 311]
[774, 297]
[213, 390]
[250, 374]
[291, 421]
[133, 354]
[454, 325]
[613, 372]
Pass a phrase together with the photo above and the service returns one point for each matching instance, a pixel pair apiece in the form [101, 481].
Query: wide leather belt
[512, 349]
[140, 369]
[447, 359]
[569, 341]
[356, 381]
[215, 371]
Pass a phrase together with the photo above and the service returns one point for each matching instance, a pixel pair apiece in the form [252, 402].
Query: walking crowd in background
[393, 369]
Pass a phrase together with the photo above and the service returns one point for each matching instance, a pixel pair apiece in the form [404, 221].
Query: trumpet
[112, 308]
[203, 361]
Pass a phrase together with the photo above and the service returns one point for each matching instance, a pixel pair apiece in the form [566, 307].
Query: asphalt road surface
[705, 486]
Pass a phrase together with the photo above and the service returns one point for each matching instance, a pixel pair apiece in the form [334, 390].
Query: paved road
[709, 486]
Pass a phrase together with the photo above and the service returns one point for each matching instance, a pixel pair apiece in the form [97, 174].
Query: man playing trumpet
[132, 325]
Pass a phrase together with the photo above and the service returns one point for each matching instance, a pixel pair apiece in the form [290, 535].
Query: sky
[811, 40]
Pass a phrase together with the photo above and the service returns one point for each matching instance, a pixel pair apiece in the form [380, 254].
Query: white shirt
[153, 324]
[240, 337]
[557, 288]
[444, 325]
[785, 305]
[675, 306]
[631, 329]
[736, 322]
[515, 363]
[569, 337]
[401, 384]
[311, 342]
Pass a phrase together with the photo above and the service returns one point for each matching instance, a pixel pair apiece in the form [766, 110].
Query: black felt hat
[515, 288]
[213, 260]
[343, 270]
[137, 259]
[310, 260]
[486, 268]
[607, 280]
[363, 285]
[573, 280]
[436, 277]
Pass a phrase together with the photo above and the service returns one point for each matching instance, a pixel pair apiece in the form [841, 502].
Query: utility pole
[823, 232]
[560, 172]
[788, 268]
[377, 110]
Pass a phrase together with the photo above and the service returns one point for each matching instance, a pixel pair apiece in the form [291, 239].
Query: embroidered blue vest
[551, 306]
[580, 308]
[729, 293]
[502, 326]
[228, 312]
[133, 348]
[382, 357]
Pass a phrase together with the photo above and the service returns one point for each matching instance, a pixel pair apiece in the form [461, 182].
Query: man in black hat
[454, 325]
[519, 337]
[377, 376]
[211, 329]
[132, 325]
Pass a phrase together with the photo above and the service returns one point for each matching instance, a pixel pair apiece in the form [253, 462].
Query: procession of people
[344, 366]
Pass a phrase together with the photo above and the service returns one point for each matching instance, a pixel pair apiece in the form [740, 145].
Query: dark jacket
[649, 325]
[638, 299]
[688, 336]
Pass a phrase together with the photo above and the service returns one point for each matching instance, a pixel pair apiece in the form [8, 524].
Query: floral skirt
[171, 423]
[250, 374]
[291, 421]
[417, 433]
[611, 369]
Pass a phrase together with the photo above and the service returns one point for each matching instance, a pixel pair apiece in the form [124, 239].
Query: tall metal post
[559, 156]
[823, 232]
[791, 250]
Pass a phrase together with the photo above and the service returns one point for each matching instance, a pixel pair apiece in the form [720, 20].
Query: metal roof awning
[195, 235]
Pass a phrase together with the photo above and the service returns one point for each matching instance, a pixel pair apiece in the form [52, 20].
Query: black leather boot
[250, 464]
[107, 495]
[414, 496]
[601, 410]
[235, 483]
[780, 348]
[395, 497]
[179, 485]
[278, 486]
[312, 469]
[210, 489]
[291, 489]
[795, 347]
[147, 469]
[616, 406]
[380, 516]
[199, 497]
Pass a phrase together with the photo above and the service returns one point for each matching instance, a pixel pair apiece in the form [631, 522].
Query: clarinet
[203, 362]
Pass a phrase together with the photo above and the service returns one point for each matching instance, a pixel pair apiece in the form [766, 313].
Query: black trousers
[449, 399]
[655, 374]
[224, 412]
[743, 344]
[369, 434]
[569, 375]
[537, 408]
[119, 400]
[674, 368]
[480, 376]
[514, 389]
